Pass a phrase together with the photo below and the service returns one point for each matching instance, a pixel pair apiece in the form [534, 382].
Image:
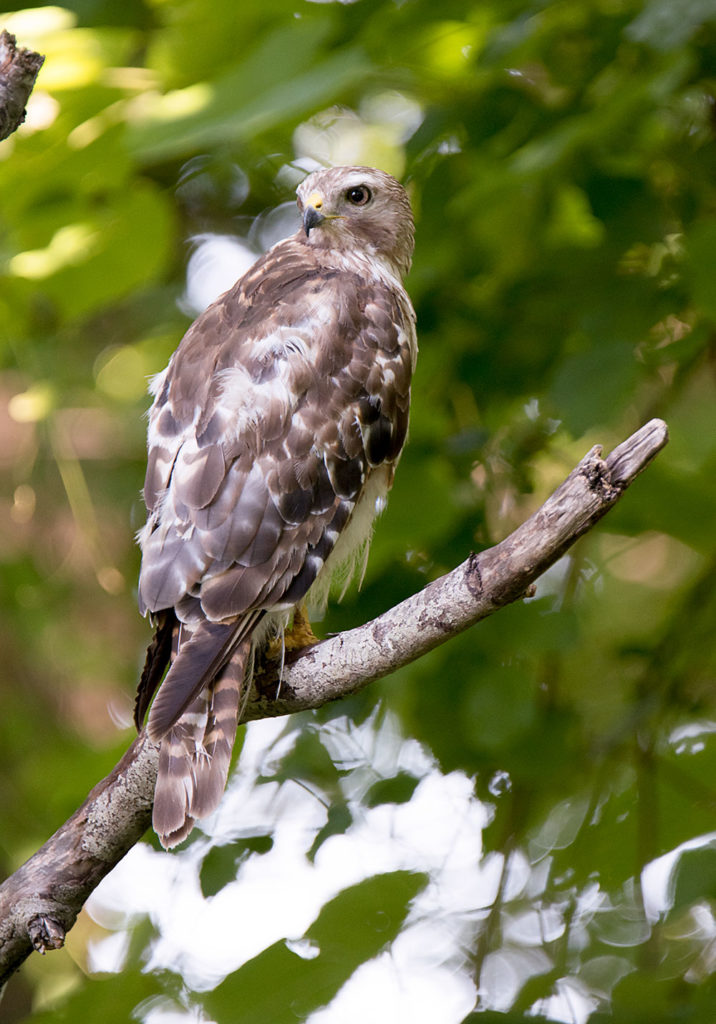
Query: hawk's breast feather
[270, 449]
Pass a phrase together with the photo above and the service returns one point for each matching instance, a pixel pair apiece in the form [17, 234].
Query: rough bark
[18, 71]
[40, 902]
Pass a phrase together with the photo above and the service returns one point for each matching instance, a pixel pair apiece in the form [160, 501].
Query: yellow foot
[300, 635]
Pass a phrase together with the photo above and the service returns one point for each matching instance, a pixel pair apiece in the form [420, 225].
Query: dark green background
[563, 173]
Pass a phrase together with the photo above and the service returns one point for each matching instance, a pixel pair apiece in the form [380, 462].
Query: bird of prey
[273, 440]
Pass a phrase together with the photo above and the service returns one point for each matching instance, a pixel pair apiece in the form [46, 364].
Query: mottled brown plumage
[273, 439]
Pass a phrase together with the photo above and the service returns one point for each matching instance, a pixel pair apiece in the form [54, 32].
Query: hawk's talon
[300, 635]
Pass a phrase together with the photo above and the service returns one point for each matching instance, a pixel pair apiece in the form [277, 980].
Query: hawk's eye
[359, 195]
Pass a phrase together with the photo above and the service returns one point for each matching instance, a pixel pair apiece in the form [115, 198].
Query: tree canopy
[522, 821]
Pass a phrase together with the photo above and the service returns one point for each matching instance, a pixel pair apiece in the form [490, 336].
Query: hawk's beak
[313, 214]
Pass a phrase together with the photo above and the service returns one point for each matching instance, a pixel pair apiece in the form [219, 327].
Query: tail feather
[199, 660]
[195, 754]
[157, 658]
[175, 778]
[194, 718]
[212, 768]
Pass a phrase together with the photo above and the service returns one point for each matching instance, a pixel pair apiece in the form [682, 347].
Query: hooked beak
[311, 219]
[313, 215]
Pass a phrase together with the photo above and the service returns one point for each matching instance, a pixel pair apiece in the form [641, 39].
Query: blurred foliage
[562, 163]
[351, 928]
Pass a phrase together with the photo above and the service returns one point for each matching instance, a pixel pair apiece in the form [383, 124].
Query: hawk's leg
[300, 635]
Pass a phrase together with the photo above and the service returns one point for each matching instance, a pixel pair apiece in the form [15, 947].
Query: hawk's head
[358, 209]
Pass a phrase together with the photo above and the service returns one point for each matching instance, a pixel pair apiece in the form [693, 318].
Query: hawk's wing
[273, 414]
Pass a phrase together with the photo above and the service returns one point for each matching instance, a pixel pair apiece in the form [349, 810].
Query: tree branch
[18, 71]
[40, 902]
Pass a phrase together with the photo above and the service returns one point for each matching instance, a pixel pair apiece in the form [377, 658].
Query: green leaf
[694, 879]
[110, 999]
[339, 821]
[396, 790]
[221, 864]
[283, 78]
[103, 255]
[590, 384]
[281, 986]
[701, 247]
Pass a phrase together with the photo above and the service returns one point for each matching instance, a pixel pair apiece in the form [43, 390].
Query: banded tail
[195, 754]
[194, 718]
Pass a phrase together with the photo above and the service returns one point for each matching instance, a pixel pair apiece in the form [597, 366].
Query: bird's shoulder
[270, 426]
[293, 293]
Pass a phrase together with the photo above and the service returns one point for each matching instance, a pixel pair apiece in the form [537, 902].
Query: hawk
[272, 443]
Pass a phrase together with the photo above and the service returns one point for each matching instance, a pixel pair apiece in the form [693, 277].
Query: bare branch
[482, 584]
[40, 902]
[18, 71]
